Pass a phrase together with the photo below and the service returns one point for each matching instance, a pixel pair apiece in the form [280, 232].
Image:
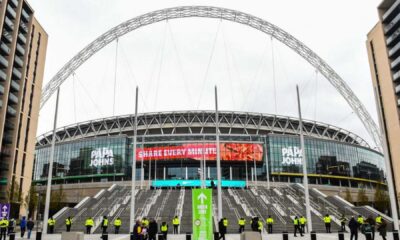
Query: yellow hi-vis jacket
[302, 220]
[51, 222]
[4, 223]
[296, 221]
[270, 220]
[89, 222]
[327, 219]
[225, 222]
[260, 225]
[175, 221]
[145, 223]
[378, 220]
[68, 221]
[164, 228]
[117, 222]
[242, 222]
[360, 220]
[105, 222]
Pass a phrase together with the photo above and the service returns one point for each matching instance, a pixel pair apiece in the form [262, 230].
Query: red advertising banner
[200, 151]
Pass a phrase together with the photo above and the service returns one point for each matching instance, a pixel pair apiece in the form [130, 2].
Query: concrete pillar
[164, 173]
[230, 172]
[208, 170]
[186, 173]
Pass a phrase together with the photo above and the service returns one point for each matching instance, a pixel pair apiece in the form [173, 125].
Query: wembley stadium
[181, 146]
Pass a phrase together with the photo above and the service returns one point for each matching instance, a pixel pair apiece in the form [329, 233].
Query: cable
[209, 63]
[185, 82]
[228, 67]
[160, 66]
[316, 95]
[74, 95]
[273, 74]
[90, 98]
[115, 75]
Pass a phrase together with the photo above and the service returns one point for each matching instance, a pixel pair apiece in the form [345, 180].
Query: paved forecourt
[321, 236]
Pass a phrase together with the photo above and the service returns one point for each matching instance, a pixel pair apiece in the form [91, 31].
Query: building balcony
[23, 27]
[5, 49]
[7, 36]
[397, 89]
[17, 73]
[11, 12]
[18, 61]
[3, 62]
[9, 24]
[22, 38]
[9, 125]
[1, 89]
[12, 98]
[395, 64]
[391, 12]
[390, 27]
[394, 50]
[11, 111]
[7, 139]
[3, 75]
[14, 86]
[25, 15]
[14, 2]
[20, 50]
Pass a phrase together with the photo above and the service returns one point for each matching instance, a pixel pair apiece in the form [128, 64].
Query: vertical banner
[5, 210]
[202, 214]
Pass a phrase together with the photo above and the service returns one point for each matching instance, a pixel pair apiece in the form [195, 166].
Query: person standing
[242, 223]
[327, 221]
[164, 230]
[382, 228]
[104, 224]
[302, 222]
[22, 226]
[371, 222]
[225, 221]
[153, 229]
[297, 226]
[175, 223]
[117, 225]
[353, 225]
[366, 229]
[254, 224]
[51, 223]
[68, 223]
[343, 221]
[29, 225]
[260, 226]
[222, 229]
[270, 222]
[3, 228]
[137, 231]
[89, 223]
[360, 221]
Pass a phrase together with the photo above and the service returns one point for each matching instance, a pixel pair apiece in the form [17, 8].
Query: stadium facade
[181, 145]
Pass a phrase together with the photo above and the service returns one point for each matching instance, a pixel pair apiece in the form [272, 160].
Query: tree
[348, 196]
[31, 200]
[381, 198]
[57, 199]
[362, 197]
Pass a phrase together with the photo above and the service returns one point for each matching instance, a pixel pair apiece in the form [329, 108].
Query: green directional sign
[202, 214]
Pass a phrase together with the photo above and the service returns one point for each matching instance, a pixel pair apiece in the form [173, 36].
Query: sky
[177, 63]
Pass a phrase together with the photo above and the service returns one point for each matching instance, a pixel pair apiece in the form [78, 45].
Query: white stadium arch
[225, 14]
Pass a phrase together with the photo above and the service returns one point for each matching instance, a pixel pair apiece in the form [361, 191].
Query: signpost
[5, 210]
[202, 214]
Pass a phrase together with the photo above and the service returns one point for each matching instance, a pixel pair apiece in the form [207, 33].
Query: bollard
[285, 236]
[38, 235]
[314, 235]
[132, 237]
[12, 235]
[216, 236]
[340, 235]
[104, 236]
[188, 236]
[395, 235]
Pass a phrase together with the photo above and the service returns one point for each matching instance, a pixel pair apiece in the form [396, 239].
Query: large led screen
[200, 151]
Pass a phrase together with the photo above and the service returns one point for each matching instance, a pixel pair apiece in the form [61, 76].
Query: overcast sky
[175, 66]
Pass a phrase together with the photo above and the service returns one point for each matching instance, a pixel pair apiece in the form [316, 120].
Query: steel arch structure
[225, 14]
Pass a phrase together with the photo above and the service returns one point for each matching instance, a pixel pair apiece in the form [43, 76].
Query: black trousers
[328, 227]
[152, 236]
[354, 234]
[88, 229]
[241, 228]
[343, 226]
[68, 228]
[116, 229]
[176, 229]
[269, 228]
[165, 235]
[297, 228]
[104, 229]
[3, 233]
[23, 229]
[303, 228]
[51, 229]
[222, 235]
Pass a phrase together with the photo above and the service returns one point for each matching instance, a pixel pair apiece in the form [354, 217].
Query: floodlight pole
[219, 191]
[133, 187]
[389, 176]
[50, 173]
[304, 158]
[141, 167]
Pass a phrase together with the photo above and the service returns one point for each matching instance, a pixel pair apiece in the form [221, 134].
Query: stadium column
[50, 173]
[132, 213]
[267, 164]
[219, 194]
[389, 173]
[304, 158]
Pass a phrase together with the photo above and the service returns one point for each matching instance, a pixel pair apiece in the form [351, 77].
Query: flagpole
[50, 173]
[304, 158]
[133, 187]
[219, 191]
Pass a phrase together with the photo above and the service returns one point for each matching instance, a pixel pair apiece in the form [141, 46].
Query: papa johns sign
[101, 157]
[292, 155]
